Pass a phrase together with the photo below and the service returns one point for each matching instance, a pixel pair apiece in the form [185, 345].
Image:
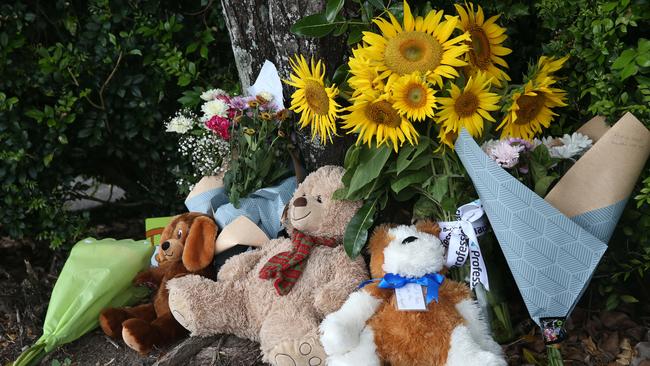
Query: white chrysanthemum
[212, 94]
[180, 124]
[504, 154]
[489, 145]
[567, 146]
[213, 108]
[266, 96]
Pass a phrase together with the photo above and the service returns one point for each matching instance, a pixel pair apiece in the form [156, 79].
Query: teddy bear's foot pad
[305, 352]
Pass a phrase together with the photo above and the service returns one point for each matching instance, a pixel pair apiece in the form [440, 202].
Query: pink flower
[220, 125]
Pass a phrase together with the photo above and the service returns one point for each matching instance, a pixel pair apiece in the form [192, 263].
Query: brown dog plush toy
[378, 325]
[187, 246]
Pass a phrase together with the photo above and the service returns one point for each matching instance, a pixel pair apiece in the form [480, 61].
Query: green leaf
[643, 60]
[624, 59]
[355, 35]
[48, 159]
[424, 208]
[371, 162]
[629, 70]
[315, 25]
[542, 185]
[135, 51]
[341, 74]
[609, 6]
[440, 188]
[377, 4]
[332, 9]
[415, 178]
[35, 114]
[356, 233]
[409, 153]
[612, 302]
[629, 299]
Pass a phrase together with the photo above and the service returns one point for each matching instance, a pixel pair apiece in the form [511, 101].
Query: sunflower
[413, 97]
[312, 99]
[420, 44]
[486, 40]
[530, 109]
[546, 66]
[468, 107]
[376, 117]
[364, 77]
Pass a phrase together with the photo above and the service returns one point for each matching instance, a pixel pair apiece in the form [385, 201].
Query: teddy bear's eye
[179, 234]
[319, 199]
[409, 239]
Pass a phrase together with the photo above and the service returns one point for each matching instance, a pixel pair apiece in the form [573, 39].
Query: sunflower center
[529, 107]
[466, 104]
[412, 51]
[416, 96]
[480, 55]
[316, 97]
[383, 113]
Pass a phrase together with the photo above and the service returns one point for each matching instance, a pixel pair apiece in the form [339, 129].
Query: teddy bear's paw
[180, 303]
[305, 352]
[139, 335]
[365, 353]
[338, 337]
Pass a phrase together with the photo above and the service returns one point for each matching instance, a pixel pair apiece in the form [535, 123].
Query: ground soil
[28, 272]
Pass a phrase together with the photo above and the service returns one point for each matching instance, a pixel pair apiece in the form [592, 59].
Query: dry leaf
[627, 353]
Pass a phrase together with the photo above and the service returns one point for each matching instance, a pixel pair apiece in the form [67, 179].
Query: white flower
[504, 154]
[567, 146]
[489, 145]
[180, 124]
[212, 94]
[266, 96]
[215, 107]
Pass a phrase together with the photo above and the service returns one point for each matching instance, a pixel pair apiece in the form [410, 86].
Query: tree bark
[260, 30]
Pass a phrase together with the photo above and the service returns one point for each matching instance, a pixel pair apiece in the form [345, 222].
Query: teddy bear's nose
[409, 239]
[300, 202]
[165, 245]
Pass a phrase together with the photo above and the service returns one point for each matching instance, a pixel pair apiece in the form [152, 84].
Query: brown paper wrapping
[595, 128]
[606, 174]
[207, 183]
[241, 231]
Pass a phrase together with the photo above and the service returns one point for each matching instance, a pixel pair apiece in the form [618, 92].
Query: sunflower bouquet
[411, 86]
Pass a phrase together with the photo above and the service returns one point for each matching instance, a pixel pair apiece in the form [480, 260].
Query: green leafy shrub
[84, 91]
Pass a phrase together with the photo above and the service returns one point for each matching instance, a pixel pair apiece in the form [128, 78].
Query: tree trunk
[259, 30]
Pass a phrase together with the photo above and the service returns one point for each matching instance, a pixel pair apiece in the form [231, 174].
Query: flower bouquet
[411, 86]
[240, 142]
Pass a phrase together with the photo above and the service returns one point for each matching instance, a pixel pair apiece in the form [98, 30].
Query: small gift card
[410, 298]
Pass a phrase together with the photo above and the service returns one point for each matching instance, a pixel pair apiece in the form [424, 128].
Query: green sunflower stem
[553, 355]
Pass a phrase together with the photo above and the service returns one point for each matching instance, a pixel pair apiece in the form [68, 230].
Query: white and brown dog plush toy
[369, 329]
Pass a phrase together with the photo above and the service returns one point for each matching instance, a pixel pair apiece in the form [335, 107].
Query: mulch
[28, 273]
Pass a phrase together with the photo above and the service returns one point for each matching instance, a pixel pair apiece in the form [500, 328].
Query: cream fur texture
[241, 303]
[341, 331]
[478, 327]
[413, 253]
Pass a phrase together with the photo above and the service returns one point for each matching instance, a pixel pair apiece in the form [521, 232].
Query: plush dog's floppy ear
[379, 240]
[199, 245]
[428, 226]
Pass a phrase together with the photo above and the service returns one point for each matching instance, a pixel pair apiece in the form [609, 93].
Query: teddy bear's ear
[199, 245]
[428, 226]
[378, 241]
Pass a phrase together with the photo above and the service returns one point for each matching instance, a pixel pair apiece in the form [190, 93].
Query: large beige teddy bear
[279, 294]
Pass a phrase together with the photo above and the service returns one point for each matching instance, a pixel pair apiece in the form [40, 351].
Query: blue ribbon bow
[431, 281]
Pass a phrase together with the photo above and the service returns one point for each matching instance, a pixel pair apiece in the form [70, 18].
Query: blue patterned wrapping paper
[551, 256]
[202, 202]
[264, 207]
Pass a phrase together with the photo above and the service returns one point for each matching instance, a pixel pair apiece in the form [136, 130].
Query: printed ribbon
[460, 237]
[431, 281]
